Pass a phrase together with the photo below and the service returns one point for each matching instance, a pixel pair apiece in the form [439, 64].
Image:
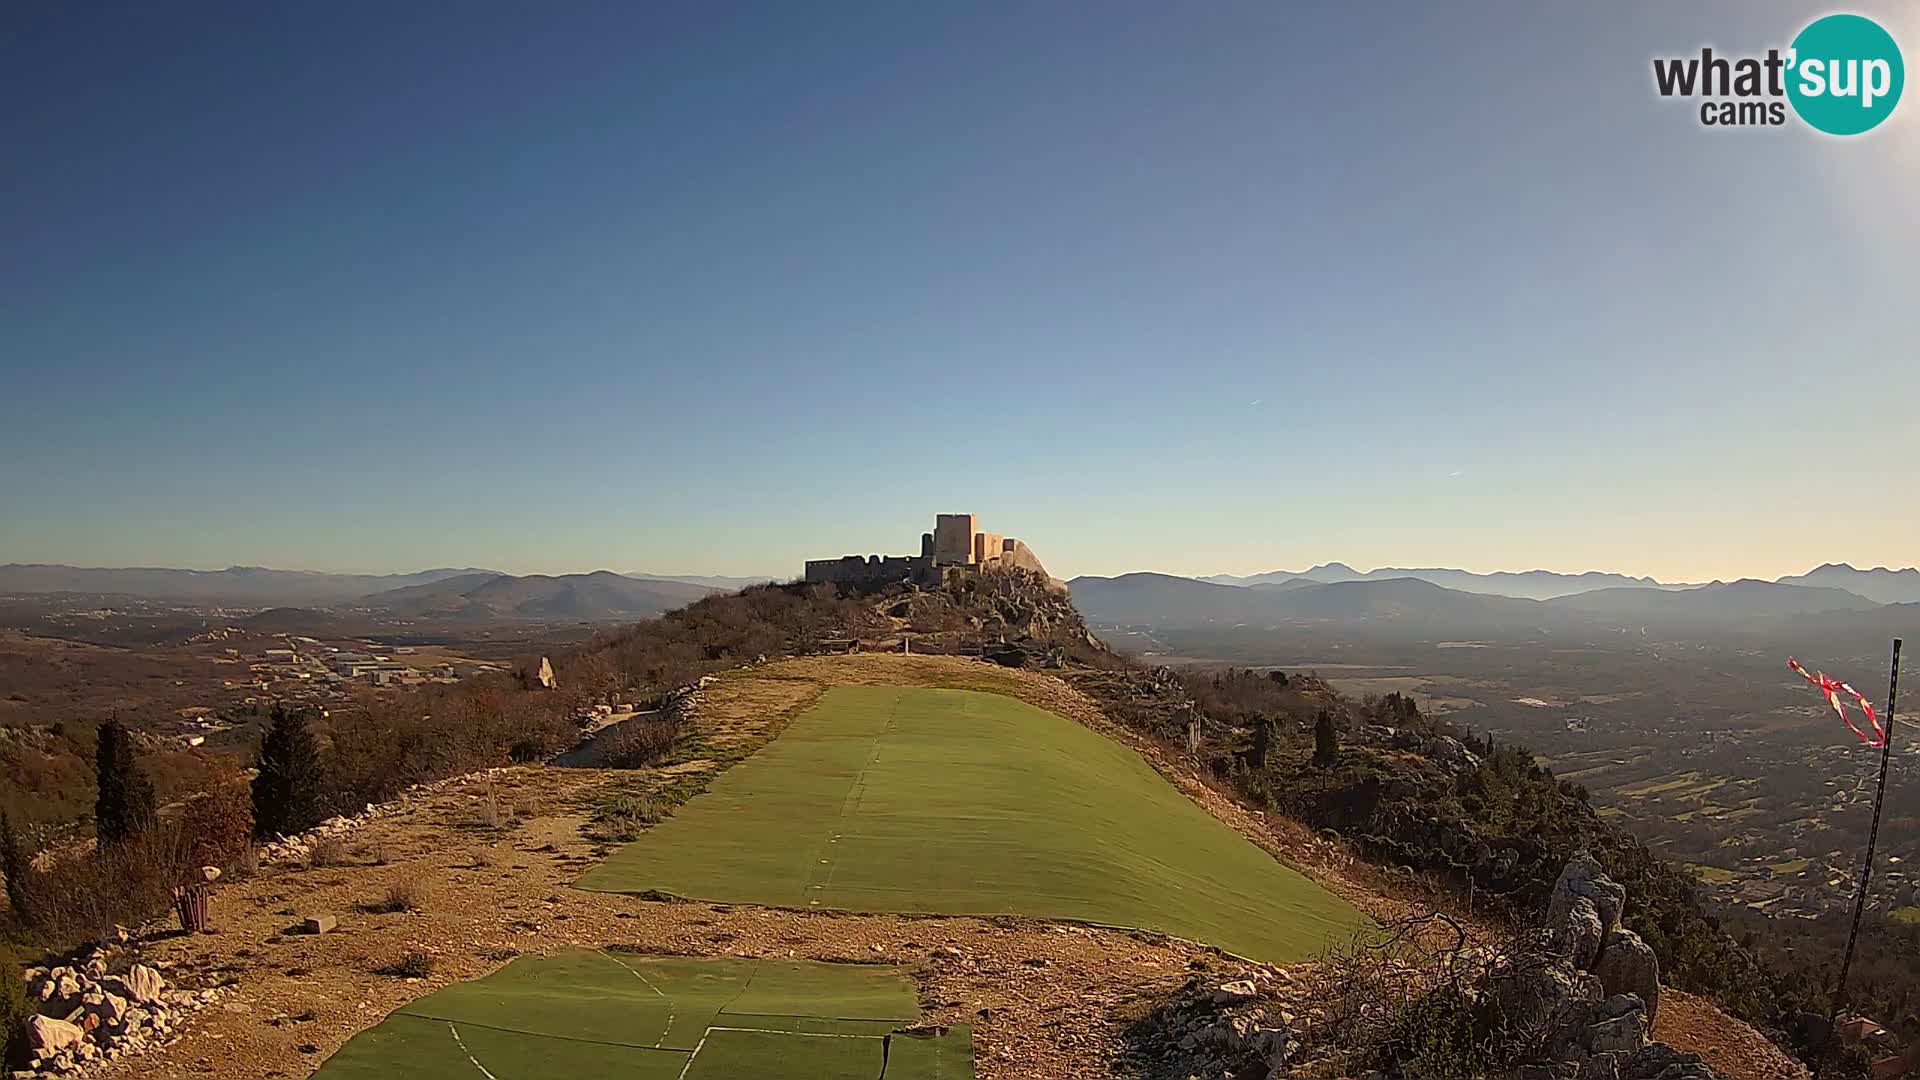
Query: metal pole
[1866, 870]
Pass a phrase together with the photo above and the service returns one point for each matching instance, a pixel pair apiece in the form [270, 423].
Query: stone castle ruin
[955, 546]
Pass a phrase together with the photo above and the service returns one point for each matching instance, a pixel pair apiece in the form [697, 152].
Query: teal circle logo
[1845, 74]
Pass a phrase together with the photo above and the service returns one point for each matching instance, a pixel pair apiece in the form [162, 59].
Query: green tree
[14, 1012]
[289, 792]
[124, 807]
[13, 863]
[1326, 739]
[1262, 742]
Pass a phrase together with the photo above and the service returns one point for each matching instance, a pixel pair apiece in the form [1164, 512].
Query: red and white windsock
[1833, 688]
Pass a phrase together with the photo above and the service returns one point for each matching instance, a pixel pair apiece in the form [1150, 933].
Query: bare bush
[622, 817]
[84, 898]
[640, 741]
[219, 824]
[407, 894]
[1408, 996]
[328, 851]
[411, 965]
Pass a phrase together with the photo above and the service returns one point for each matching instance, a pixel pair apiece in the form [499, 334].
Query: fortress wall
[986, 546]
[868, 570]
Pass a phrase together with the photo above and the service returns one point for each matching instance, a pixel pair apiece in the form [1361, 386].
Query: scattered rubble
[1238, 1028]
[86, 1017]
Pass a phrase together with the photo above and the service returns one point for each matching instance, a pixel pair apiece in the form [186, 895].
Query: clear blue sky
[718, 287]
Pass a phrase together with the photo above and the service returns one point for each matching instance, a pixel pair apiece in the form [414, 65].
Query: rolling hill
[236, 586]
[1162, 600]
[1881, 584]
[1719, 602]
[1527, 585]
[597, 597]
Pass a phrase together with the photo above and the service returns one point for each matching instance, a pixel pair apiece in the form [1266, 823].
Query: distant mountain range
[1880, 585]
[715, 581]
[236, 586]
[1408, 603]
[446, 592]
[602, 596]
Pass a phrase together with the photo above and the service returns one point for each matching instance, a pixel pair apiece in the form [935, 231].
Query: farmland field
[592, 1013]
[889, 799]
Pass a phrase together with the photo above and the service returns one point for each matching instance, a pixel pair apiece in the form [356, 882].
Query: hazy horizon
[795, 571]
[730, 287]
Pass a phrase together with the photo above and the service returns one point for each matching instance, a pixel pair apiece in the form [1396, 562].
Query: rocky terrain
[341, 925]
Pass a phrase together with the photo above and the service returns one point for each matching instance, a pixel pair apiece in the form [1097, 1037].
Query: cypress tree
[124, 807]
[287, 793]
[13, 863]
[1326, 740]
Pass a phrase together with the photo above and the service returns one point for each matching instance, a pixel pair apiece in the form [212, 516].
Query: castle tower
[953, 539]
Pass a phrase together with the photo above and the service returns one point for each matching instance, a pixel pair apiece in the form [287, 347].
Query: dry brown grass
[328, 851]
[408, 894]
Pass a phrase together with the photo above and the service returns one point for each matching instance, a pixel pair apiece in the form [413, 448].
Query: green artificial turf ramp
[760, 1055]
[941, 1057]
[966, 803]
[616, 1014]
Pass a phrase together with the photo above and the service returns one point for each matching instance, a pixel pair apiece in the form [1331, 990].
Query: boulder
[1579, 931]
[319, 924]
[1624, 1028]
[1582, 877]
[1538, 993]
[1234, 993]
[144, 985]
[1627, 966]
[47, 1036]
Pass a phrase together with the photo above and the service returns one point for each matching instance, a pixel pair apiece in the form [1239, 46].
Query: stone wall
[871, 570]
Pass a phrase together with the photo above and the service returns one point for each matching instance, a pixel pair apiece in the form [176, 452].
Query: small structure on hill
[956, 545]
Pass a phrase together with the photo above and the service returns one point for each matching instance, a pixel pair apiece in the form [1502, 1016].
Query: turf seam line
[796, 1034]
[450, 1021]
[856, 793]
[671, 1014]
[471, 1060]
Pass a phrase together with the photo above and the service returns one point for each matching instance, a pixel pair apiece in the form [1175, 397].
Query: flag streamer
[1833, 688]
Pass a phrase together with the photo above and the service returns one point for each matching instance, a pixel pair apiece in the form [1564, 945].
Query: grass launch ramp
[966, 803]
[595, 1014]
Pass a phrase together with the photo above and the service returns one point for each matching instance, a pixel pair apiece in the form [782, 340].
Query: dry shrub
[247, 865]
[219, 825]
[412, 965]
[406, 894]
[623, 816]
[639, 742]
[1406, 997]
[328, 851]
[83, 898]
[437, 732]
[490, 814]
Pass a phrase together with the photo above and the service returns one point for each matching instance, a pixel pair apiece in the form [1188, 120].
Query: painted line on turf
[695, 1056]
[671, 1015]
[474, 1061]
